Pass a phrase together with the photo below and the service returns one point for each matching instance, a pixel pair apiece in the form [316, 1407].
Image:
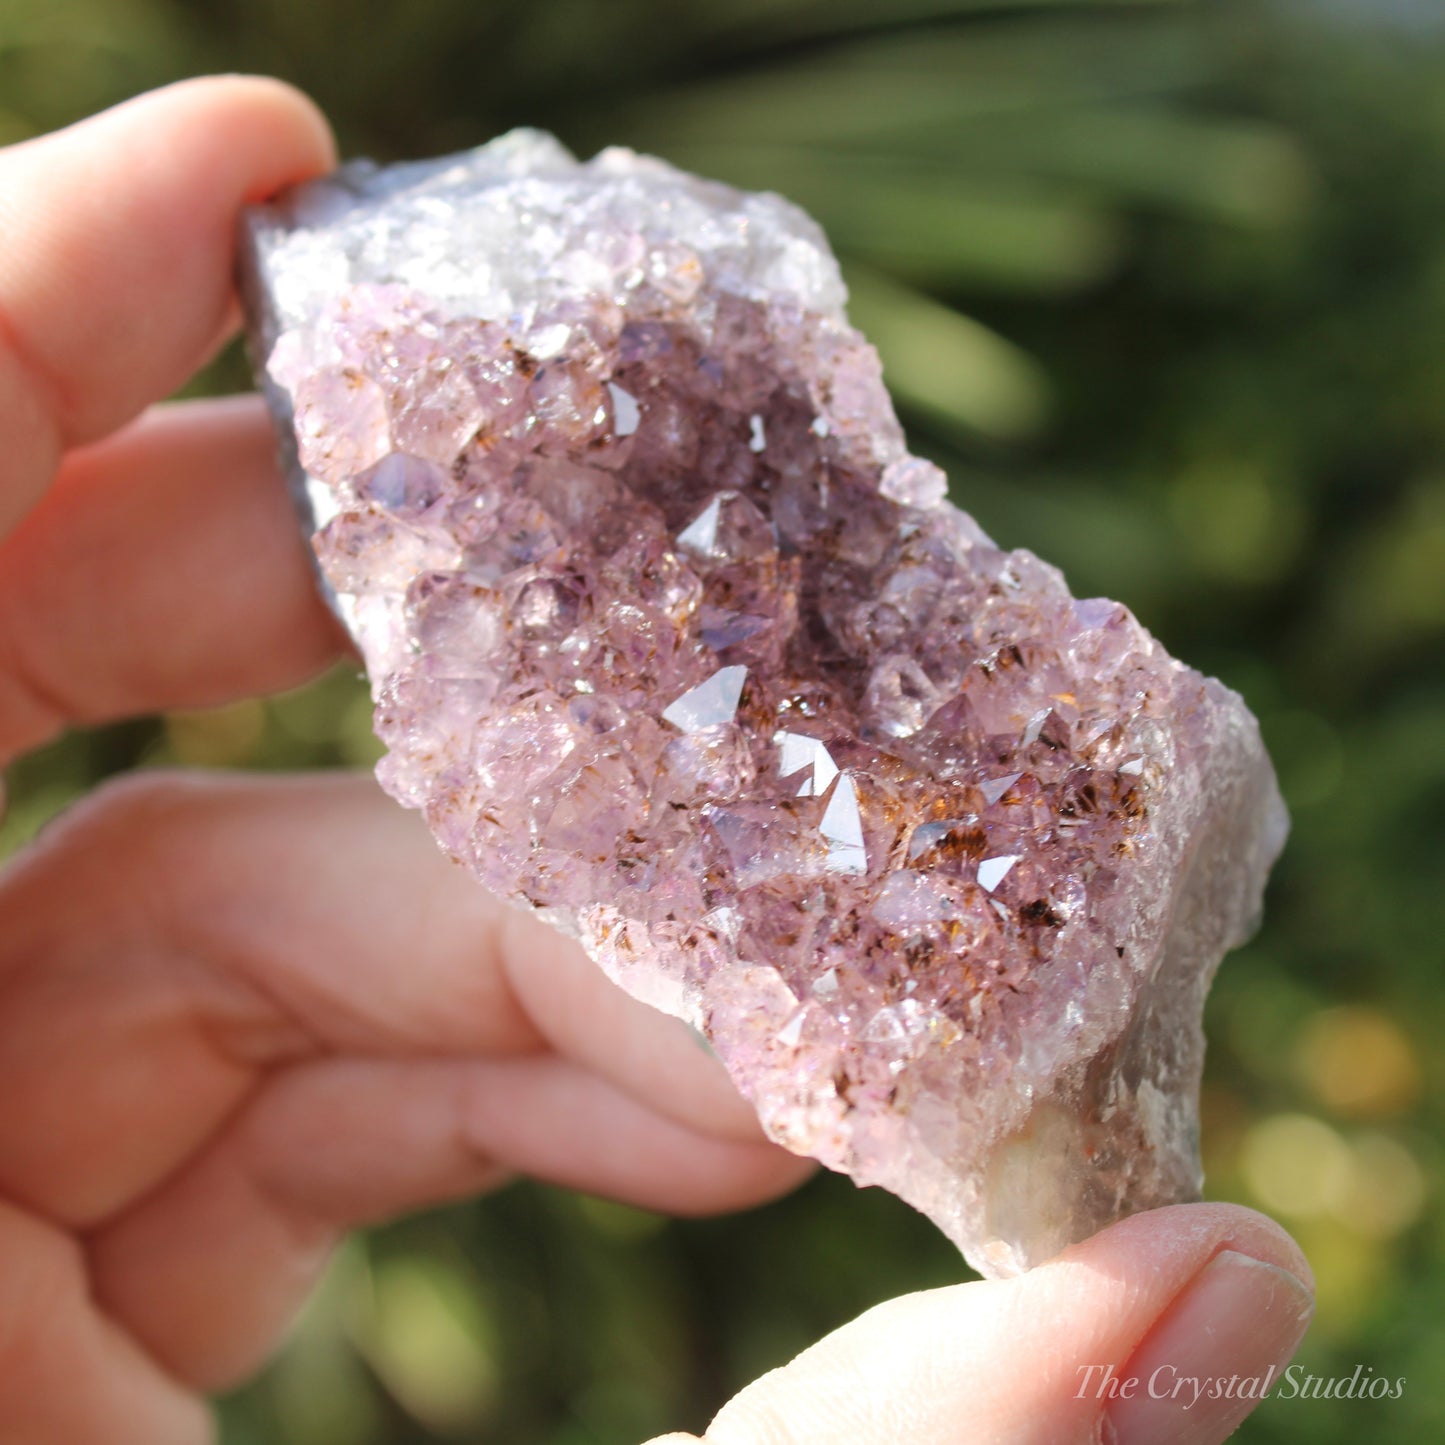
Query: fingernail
[1213, 1355]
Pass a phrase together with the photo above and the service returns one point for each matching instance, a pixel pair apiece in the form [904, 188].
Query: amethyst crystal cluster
[672, 641]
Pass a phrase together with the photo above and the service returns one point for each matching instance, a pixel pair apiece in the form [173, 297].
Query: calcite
[673, 642]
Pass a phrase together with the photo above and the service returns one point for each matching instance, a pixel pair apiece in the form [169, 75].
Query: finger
[334, 1144]
[1205, 1293]
[67, 1375]
[168, 943]
[210, 597]
[116, 273]
[651, 1056]
[164, 568]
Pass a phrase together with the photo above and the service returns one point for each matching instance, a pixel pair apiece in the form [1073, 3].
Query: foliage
[1162, 286]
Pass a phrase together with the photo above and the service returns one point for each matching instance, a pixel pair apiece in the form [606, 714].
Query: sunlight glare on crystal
[710, 703]
[994, 788]
[992, 871]
[700, 535]
[799, 752]
[842, 826]
[625, 411]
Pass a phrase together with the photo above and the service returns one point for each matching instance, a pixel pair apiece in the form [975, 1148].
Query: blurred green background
[1162, 285]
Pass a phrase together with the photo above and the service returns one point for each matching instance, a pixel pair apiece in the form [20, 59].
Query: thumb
[1170, 1325]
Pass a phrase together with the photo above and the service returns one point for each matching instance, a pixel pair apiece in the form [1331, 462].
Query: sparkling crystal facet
[671, 639]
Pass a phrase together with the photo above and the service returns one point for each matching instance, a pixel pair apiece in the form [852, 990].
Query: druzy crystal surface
[673, 641]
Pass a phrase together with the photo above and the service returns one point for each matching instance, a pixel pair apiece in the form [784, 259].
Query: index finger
[116, 267]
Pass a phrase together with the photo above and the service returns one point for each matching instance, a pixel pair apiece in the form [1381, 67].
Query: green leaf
[914, 82]
[928, 223]
[946, 365]
[1226, 168]
[766, 21]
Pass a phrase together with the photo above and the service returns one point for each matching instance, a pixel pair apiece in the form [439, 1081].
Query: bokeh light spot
[218, 737]
[1296, 1165]
[425, 1334]
[1358, 1063]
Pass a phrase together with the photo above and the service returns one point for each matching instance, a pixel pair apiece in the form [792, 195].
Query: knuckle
[101, 851]
[42, 1277]
[132, 808]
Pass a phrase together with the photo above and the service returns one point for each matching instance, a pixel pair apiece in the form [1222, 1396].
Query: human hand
[239, 1016]
[1164, 1329]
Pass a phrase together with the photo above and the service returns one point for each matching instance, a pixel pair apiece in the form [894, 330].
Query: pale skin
[240, 1016]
